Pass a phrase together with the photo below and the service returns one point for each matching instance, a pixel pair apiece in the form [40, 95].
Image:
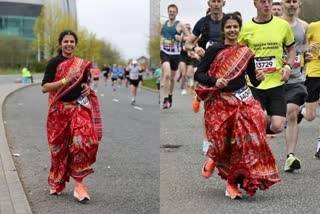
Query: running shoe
[208, 168]
[80, 192]
[196, 105]
[233, 192]
[53, 191]
[184, 92]
[170, 100]
[133, 102]
[166, 104]
[300, 115]
[317, 155]
[292, 163]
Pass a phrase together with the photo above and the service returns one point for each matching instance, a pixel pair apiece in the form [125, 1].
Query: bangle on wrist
[64, 81]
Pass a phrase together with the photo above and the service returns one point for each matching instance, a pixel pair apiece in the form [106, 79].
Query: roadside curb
[13, 199]
[149, 89]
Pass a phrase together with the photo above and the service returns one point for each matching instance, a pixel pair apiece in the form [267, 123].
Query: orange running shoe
[53, 191]
[232, 191]
[80, 192]
[208, 168]
[196, 105]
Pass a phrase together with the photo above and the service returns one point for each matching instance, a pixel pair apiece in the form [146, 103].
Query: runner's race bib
[82, 100]
[267, 64]
[134, 75]
[297, 60]
[170, 45]
[244, 94]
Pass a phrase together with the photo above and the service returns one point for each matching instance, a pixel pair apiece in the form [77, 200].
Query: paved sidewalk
[12, 198]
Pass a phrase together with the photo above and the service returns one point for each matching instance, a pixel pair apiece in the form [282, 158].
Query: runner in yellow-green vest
[266, 35]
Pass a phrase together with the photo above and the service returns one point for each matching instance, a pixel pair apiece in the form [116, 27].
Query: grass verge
[150, 83]
[9, 71]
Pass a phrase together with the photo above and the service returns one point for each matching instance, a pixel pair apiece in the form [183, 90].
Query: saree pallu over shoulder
[63, 69]
[82, 66]
[229, 63]
[74, 129]
[96, 115]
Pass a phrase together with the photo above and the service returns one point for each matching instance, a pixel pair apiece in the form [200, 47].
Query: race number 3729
[267, 64]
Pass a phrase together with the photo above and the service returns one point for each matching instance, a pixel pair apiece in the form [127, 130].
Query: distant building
[142, 60]
[17, 17]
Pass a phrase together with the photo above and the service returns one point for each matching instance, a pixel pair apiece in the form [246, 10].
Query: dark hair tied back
[63, 34]
[228, 16]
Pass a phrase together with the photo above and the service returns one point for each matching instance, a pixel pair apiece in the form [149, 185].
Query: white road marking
[138, 108]
[102, 95]
[115, 100]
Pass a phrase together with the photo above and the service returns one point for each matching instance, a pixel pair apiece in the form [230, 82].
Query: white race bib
[267, 64]
[82, 100]
[134, 75]
[244, 94]
[297, 60]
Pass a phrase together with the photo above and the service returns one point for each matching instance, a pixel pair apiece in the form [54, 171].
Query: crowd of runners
[255, 80]
[128, 76]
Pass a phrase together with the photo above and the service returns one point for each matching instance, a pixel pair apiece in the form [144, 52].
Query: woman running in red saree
[234, 121]
[74, 123]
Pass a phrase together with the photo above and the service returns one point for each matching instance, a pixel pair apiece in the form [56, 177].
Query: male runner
[309, 110]
[295, 89]
[277, 9]
[170, 52]
[266, 35]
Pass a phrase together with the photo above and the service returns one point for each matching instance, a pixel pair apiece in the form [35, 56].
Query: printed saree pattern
[73, 130]
[236, 129]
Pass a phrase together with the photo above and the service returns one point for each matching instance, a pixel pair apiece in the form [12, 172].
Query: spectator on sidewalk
[26, 75]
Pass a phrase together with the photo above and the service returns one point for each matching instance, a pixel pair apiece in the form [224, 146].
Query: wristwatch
[288, 65]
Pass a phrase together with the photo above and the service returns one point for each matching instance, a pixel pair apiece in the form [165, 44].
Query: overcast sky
[124, 23]
[190, 11]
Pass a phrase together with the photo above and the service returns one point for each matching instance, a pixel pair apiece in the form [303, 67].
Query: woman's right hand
[221, 83]
[71, 75]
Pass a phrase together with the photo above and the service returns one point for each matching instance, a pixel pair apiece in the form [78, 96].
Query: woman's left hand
[86, 89]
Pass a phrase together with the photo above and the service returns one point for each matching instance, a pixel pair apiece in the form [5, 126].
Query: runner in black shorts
[134, 80]
[268, 52]
[170, 52]
[309, 110]
[106, 73]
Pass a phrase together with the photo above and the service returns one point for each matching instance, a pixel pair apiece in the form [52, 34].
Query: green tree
[154, 49]
[108, 54]
[52, 21]
[14, 51]
[47, 28]
[88, 46]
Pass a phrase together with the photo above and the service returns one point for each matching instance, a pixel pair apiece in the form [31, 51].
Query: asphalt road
[184, 190]
[126, 178]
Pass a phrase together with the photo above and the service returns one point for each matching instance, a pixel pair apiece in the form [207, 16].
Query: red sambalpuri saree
[73, 130]
[236, 129]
